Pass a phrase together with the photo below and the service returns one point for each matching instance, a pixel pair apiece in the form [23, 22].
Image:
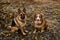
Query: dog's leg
[22, 30]
[34, 31]
[13, 29]
[42, 29]
[26, 31]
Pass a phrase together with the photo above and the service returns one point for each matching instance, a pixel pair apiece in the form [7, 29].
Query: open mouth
[38, 22]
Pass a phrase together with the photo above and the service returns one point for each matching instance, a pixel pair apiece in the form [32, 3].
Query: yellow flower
[29, 32]
[36, 38]
[22, 39]
[6, 35]
[54, 16]
[11, 14]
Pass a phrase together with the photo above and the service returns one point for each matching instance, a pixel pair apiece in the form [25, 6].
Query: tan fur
[19, 24]
[42, 1]
[43, 24]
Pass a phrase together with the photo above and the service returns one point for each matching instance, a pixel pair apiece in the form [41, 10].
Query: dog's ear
[33, 16]
[19, 11]
[24, 10]
[42, 15]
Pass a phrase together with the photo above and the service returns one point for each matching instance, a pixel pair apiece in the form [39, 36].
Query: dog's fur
[39, 22]
[19, 21]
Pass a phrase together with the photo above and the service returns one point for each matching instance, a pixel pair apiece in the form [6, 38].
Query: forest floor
[51, 11]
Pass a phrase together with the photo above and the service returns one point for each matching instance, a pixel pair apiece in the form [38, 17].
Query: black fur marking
[19, 32]
[13, 23]
[22, 16]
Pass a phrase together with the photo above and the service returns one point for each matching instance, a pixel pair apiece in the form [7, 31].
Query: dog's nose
[22, 16]
[38, 20]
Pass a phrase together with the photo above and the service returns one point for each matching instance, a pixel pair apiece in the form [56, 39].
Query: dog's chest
[19, 22]
[40, 25]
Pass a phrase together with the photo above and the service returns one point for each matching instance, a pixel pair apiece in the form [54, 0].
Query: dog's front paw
[42, 31]
[24, 33]
[34, 31]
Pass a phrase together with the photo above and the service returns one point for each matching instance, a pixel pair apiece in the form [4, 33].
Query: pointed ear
[19, 11]
[24, 10]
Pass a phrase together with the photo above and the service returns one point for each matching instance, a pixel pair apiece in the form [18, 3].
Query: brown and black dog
[19, 21]
[39, 22]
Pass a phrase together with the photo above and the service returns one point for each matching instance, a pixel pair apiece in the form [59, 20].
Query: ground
[51, 11]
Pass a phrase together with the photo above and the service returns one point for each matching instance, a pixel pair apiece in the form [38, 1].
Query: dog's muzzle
[22, 16]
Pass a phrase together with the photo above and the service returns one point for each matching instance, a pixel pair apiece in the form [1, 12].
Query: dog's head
[38, 18]
[22, 13]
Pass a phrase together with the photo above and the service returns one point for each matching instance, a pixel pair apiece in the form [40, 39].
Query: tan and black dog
[39, 22]
[19, 21]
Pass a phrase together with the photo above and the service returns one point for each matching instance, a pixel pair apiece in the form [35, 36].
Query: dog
[39, 22]
[19, 21]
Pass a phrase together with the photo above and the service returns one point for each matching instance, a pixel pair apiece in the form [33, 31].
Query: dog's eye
[22, 16]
